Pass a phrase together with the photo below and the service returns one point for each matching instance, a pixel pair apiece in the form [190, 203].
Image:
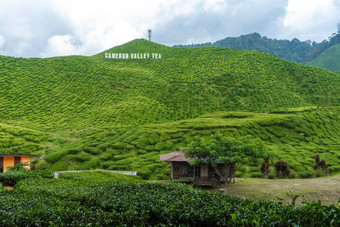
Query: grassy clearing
[326, 189]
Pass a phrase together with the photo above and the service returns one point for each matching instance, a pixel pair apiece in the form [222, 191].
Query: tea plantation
[106, 199]
[329, 59]
[292, 137]
[80, 112]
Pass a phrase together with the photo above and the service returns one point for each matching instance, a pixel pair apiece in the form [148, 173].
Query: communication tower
[149, 34]
[338, 28]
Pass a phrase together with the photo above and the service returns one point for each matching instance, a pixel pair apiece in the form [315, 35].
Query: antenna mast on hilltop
[149, 34]
[338, 28]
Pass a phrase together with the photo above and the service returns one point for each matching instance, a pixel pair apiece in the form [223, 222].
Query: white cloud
[86, 27]
[60, 45]
[26, 26]
[232, 18]
[214, 5]
[312, 19]
[103, 24]
[2, 41]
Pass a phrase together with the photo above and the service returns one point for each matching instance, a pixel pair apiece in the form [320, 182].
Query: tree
[320, 166]
[282, 169]
[265, 168]
[225, 150]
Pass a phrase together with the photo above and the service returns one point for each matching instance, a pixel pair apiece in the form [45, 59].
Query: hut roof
[7, 155]
[176, 156]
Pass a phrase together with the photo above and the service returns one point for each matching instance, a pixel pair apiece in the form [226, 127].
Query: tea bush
[64, 106]
[107, 199]
[11, 178]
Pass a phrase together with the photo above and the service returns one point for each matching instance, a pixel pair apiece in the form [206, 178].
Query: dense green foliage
[291, 50]
[14, 139]
[90, 112]
[294, 50]
[13, 177]
[217, 150]
[295, 137]
[106, 199]
[319, 48]
[329, 59]
[70, 92]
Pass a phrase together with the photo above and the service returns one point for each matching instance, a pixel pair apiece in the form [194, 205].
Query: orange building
[9, 160]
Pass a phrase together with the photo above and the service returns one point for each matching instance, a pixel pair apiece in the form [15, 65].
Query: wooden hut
[9, 160]
[202, 175]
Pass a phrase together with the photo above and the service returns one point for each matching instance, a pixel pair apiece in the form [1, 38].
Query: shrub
[55, 156]
[17, 167]
[141, 152]
[12, 177]
[92, 164]
[239, 174]
[60, 165]
[282, 169]
[320, 167]
[107, 199]
[105, 156]
[319, 173]
[169, 144]
[253, 169]
[306, 174]
[107, 164]
[121, 145]
[149, 148]
[164, 137]
[242, 169]
[256, 175]
[159, 146]
[144, 173]
[92, 150]
[265, 168]
[162, 177]
[271, 175]
[153, 138]
[83, 157]
[334, 169]
[42, 164]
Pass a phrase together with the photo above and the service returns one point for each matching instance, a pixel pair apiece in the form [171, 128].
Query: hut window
[204, 171]
[17, 160]
[183, 170]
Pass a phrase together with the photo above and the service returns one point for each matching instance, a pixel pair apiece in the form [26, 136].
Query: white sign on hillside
[133, 55]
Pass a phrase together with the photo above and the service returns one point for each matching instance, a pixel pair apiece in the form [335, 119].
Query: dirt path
[326, 189]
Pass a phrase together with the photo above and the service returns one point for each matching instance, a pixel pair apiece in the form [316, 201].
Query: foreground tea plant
[106, 199]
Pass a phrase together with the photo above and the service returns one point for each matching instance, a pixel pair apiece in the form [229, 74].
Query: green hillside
[292, 50]
[329, 59]
[295, 136]
[14, 139]
[97, 112]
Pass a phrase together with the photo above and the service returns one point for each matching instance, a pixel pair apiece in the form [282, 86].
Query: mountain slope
[329, 59]
[64, 92]
[295, 136]
[291, 50]
[76, 104]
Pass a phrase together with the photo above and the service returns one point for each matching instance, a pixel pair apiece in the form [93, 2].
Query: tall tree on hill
[225, 150]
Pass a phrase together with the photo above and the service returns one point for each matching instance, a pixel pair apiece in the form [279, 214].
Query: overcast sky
[45, 28]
